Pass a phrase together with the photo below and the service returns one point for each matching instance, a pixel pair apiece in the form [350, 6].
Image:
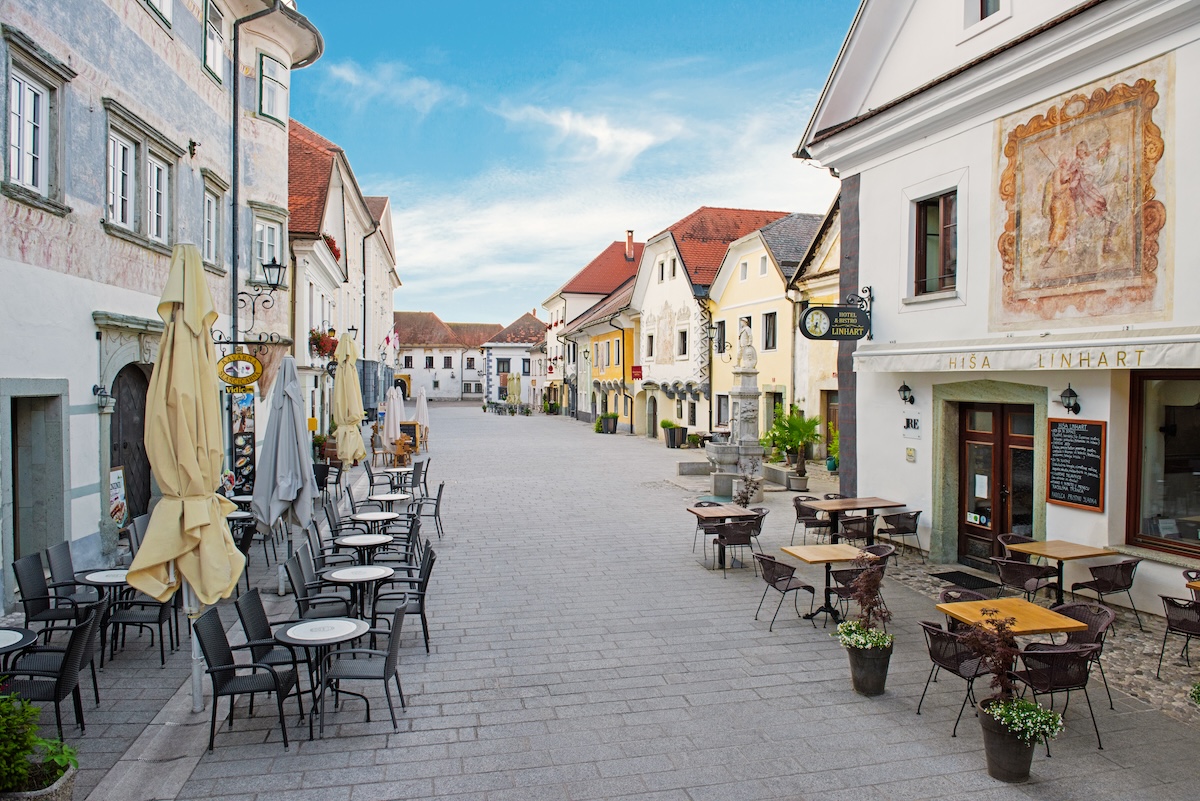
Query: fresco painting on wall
[1082, 205]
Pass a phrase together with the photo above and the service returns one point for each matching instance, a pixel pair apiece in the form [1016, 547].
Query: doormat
[965, 580]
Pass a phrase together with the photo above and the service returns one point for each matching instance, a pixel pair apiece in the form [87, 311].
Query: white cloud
[593, 137]
[391, 83]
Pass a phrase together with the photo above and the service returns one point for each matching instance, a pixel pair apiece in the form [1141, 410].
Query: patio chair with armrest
[413, 598]
[844, 577]
[860, 527]
[264, 648]
[948, 652]
[782, 578]
[432, 507]
[324, 555]
[704, 528]
[810, 518]
[223, 670]
[1048, 672]
[54, 685]
[377, 483]
[952, 595]
[1111, 579]
[47, 659]
[425, 466]
[41, 604]
[62, 575]
[1024, 577]
[733, 534]
[339, 527]
[901, 525]
[1099, 620]
[363, 505]
[759, 519]
[1183, 619]
[1006, 540]
[310, 604]
[366, 664]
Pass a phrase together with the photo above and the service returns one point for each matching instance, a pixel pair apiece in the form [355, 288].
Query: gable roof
[609, 307]
[423, 328]
[525, 330]
[473, 335]
[825, 230]
[310, 167]
[789, 238]
[377, 206]
[702, 237]
[606, 272]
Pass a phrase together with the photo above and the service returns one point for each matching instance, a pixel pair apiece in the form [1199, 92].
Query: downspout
[366, 339]
[624, 393]
[235, 142]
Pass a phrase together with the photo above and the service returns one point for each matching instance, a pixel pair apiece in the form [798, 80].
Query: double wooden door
[996, 469]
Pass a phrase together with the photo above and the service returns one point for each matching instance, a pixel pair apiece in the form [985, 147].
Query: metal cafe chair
[948, 652]
[782, 578]
[1183, 619]
[1111, 579]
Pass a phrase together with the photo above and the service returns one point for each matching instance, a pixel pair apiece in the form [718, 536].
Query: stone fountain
[743, 422]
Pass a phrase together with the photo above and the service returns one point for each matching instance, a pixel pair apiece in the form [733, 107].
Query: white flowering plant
[861, 632]
[1027, 720]
[853, 634]
[1194, 693]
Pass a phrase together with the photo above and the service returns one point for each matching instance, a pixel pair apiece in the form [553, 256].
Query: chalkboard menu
[1076, 475]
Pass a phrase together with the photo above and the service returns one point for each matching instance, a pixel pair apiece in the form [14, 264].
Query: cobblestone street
[580, 651]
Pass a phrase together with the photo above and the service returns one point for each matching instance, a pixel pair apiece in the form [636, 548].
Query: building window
[650, 346]
[120, 181]
[691, 413]
[214, 40]
[769, 331]
[936, 257]
[681, 348]
[616, 351]
[273, 81]
[28, 129]
[503, 366]
[720, 336]
[762, 265]
[212, 206]
[267, 236]
[162, 8]
[408, 362]
[524, 366]
[428, 362]
[436, 383]
[1165, 450]
[662, 266]
[673, 266]
[447, 362]
[722, 410]
[679, 409]
[35, 85]
[988, 7]
[157, 199]
[470, 362]
[743, 271]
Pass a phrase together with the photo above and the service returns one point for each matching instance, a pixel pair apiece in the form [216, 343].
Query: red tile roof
[527, 329]
[606, 272]
[423, 328]
[609, 307]
[377, 206]
[310, 166]
[703, 236]
[472, 335]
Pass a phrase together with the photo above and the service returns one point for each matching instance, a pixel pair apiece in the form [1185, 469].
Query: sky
[517, 140]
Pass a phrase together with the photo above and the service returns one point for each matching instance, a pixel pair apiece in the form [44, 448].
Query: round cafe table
[108, 582]
[316, 637]
[14, 639]
[364, 544]
[389, 498]
[243, 501]
[360, 580]
[375, 520]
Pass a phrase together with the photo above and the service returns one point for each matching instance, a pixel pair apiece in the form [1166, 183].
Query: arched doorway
[403, 386]
[652, 417]
[128, 436]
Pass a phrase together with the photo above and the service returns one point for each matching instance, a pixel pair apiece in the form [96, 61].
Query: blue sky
[517, 140]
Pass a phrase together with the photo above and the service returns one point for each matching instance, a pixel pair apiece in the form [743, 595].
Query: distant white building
[512, 351]
[446, 359]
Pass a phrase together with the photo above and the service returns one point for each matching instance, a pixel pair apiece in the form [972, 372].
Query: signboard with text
[835, 323]
[1076, 474]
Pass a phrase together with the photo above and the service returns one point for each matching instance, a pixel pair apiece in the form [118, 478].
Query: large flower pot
[797, 483]
[61, 790]
[868, 669]
[1008, 756]
[608, 425]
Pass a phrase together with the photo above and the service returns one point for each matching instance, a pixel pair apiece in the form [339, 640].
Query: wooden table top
[725, 510]
[1030, 618]
[1193, 585]
[820, 554]
[1059, 550]
[852, 504]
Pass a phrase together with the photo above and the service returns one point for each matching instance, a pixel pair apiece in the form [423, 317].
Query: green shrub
[19, 742]
[598, 426]
[667, 424]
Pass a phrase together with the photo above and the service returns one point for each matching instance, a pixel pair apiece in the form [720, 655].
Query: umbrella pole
[192, 608]
[296, 533]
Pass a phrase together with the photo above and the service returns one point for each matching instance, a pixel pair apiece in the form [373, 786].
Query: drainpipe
[366, 339]
[624, 393]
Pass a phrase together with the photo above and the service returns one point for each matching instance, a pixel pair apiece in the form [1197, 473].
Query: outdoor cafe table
[1060, 551]
[364, 544]
[838, 505]
[826, 555]
[319, 636]
[719, 514]
[243, 501]
[375, 519]
[1029, 617]
[390, 498]
[360, 580]
[14, 639]
[107, 582]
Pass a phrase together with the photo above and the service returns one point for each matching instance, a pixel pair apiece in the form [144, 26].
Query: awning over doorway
[1133, 350]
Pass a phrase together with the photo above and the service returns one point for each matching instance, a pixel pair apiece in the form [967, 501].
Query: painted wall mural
[1083, 205]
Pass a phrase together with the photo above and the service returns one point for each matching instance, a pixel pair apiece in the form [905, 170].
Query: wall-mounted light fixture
[352, 331]
[906, 394]
[104, 401]
[723, 348]
[1070, 400]
[587, 354]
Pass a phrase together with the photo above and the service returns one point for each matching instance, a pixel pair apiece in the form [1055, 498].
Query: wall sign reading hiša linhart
[1076, 474]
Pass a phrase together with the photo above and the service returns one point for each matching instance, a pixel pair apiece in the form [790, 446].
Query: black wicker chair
[1006, 540]
[412, 600]
[1111, 579]
[41, 604]
[1024, 577]
[953, 595]
[48, 659]
[264, 648]
[704, 528]
[734, 534]
[782, 579]
[948, 652]
[1189, 576]
[40, 683]
[310, 604]
[901, 525]
[1099, 620]
[1183, 619]
[422, 506]
[62, 575]
[1048, 672]
[366, 664]
[226, 682]
[859, 527]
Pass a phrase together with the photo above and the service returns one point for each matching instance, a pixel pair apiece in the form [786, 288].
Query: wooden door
[996, 492]
[128, 432]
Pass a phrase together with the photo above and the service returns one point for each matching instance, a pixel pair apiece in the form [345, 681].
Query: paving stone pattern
[579, 651]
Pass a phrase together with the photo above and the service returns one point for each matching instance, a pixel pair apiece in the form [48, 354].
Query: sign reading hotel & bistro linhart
[835, 322]
[1076, 474]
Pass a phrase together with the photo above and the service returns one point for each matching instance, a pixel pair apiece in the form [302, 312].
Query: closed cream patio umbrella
[393, 417]
[348, 410]
[187, 539]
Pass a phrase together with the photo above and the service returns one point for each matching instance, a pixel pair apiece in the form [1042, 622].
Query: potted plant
[749, 485]
[868, 648]
[693, 440]
[1194, 694]
[792, 433]
[832, 450]
[673, 434]
[32, 767]
[1011, 725]
[322, 343]
[608, 422]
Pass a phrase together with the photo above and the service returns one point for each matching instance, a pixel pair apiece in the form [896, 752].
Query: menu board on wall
[118, 510]
[1076, 474]
[243, 442]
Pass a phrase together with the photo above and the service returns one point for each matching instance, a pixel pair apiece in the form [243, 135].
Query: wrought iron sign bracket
[863, 300]
[255, 347]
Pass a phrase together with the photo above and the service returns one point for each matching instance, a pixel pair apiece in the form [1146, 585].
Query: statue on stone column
[747, 357]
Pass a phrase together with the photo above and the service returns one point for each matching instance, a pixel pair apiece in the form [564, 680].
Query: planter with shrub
[31, 767]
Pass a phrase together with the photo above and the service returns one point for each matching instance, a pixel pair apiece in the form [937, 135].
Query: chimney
[629, 245]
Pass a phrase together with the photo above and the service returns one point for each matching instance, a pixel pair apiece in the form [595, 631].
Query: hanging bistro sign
[239, 369]
[851, 321]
